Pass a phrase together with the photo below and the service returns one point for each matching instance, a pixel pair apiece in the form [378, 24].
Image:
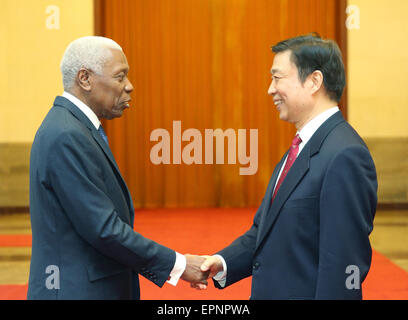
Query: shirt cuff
[178, 269]
[221, 276]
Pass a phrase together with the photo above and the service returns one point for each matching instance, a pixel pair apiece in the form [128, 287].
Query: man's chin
[283, 116]
[116, 114]
[112, 116]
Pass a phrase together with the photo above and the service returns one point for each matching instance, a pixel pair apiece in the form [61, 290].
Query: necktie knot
[296, 141]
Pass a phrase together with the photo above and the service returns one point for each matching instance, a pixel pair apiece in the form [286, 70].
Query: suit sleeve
[347, 206]
[76, 177]
[239, 254]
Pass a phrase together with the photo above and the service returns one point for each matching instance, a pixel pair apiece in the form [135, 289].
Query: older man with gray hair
[82, 214]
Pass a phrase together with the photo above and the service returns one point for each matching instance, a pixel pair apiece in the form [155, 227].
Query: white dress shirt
[308, 131]
[305, 134]
[180, 264]
[84, 108]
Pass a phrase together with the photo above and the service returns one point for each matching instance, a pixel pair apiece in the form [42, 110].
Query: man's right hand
[193, 272]
[212, 265]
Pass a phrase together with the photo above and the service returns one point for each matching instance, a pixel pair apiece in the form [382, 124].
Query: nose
[272, 89]
[129, 87]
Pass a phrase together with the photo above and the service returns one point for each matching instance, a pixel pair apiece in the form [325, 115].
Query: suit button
[255, 266]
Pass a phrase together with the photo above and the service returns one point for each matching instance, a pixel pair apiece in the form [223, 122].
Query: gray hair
[86, 52]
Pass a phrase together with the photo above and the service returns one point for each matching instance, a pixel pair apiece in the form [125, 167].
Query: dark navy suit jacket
[82, 217]
[301, 246]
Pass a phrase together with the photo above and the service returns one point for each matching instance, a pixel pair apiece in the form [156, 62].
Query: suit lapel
[112, 160]
[269, 192]
[106, 150]
[272, 182]
[295, 175]
[65, 103]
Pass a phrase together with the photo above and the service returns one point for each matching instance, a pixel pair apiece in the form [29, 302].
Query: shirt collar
[84, 108]
[311, 127]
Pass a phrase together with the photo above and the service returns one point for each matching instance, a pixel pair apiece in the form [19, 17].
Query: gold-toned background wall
[378, 69]
[377, 91]
[30, 79]
[30, 57]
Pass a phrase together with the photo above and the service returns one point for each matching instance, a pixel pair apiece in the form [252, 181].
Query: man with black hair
[310, 235]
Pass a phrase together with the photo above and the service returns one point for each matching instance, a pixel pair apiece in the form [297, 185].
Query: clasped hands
[199, 269]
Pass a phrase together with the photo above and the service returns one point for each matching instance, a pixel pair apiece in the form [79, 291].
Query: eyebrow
[273, 71]
[125, 70]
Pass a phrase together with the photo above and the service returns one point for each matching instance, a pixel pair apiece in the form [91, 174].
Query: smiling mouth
[277, 102]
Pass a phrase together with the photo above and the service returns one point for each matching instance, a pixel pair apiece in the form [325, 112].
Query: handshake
[200, 268]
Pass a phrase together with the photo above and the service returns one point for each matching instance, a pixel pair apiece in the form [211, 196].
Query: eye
[121, 77]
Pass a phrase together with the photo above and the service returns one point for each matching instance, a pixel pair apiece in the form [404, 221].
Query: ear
[316, 78]
[84, 79]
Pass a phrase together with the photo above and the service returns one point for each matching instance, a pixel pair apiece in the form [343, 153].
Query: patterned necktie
[103, 134]
[289, 161]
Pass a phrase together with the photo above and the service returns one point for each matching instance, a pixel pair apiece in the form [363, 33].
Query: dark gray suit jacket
[82, 217]
[315, 235]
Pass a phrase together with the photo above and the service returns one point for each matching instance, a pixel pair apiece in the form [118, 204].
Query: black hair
[310, 53]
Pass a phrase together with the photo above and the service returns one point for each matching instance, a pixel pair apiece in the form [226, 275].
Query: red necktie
[289, 161]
